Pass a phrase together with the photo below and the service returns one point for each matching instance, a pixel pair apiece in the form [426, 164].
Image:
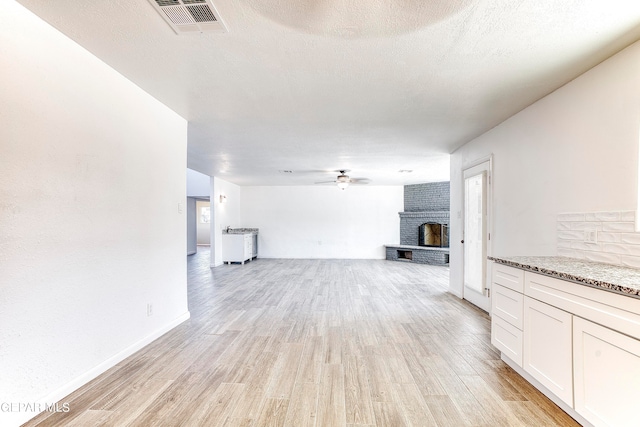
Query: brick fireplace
[423, 204]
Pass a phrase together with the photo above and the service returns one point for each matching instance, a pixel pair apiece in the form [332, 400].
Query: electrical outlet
[149, 309]
[591, 236]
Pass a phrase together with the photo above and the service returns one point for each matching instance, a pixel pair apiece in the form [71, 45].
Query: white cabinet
[509, 277]
[507, 338]
[578, 344]
[507, 304]
[606, 375]
[237, 247]
[507, 311]
[547, 354]
[507, 321]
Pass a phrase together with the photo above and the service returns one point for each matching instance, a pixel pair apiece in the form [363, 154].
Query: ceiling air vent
[189, 16]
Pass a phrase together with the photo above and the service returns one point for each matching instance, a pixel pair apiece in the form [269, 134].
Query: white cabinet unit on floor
[606, 375]
[238, 247]
[547, 347]
[578, 344]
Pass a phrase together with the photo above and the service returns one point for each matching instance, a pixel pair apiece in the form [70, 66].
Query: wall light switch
[590, 236]
[179, 207]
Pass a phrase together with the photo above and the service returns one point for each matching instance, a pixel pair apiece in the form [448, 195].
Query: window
[205, 214]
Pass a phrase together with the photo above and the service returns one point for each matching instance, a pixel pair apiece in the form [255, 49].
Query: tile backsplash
[608, 237]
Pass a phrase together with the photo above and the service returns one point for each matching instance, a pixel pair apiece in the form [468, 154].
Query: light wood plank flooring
[315, 343]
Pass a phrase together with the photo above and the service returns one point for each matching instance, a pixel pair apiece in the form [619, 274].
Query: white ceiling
[374, 86]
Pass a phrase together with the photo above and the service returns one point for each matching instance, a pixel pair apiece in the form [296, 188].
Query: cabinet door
[606, 375]
[547, 347]
[234, 248]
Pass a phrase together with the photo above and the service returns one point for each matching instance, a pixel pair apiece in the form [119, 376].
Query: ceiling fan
[343, 180]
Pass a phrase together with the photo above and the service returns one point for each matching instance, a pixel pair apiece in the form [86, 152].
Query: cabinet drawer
[507, 304]
[618, 312]
[507, 338]
[509, 277]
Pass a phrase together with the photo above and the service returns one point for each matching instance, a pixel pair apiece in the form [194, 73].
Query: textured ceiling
[374, 86]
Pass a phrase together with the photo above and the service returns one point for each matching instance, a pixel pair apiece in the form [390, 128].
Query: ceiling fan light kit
[343, 180]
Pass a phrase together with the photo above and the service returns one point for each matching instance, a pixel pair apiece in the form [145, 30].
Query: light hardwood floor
[315, 343]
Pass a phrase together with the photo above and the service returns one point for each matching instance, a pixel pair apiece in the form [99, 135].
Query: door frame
[482, 303]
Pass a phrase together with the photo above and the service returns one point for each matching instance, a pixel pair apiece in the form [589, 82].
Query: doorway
[476, 234]
[203, 209]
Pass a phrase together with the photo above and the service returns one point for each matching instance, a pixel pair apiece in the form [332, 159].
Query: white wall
[323, 221]
[224, 214]
[575, 150]
[198, 184]
[93, 170]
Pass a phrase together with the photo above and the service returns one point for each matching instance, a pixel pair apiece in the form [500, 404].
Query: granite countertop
[624, 280]
[240, 231]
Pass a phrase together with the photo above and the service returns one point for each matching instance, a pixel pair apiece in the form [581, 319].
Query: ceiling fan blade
[359, 180]
[325, 182]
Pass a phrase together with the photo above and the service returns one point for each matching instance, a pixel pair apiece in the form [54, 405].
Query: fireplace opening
[434, 235]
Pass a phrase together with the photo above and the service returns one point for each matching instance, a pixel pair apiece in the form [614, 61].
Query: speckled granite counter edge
[612, 287]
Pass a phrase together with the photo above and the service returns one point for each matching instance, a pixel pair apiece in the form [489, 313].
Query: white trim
[19, 418]
[479, 161]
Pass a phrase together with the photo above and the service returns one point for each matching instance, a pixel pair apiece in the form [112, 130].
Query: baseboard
[19, 418]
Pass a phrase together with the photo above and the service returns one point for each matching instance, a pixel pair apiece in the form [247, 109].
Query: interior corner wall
[323, 221]
[576, 150]
[225, 214]
[92, 196]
